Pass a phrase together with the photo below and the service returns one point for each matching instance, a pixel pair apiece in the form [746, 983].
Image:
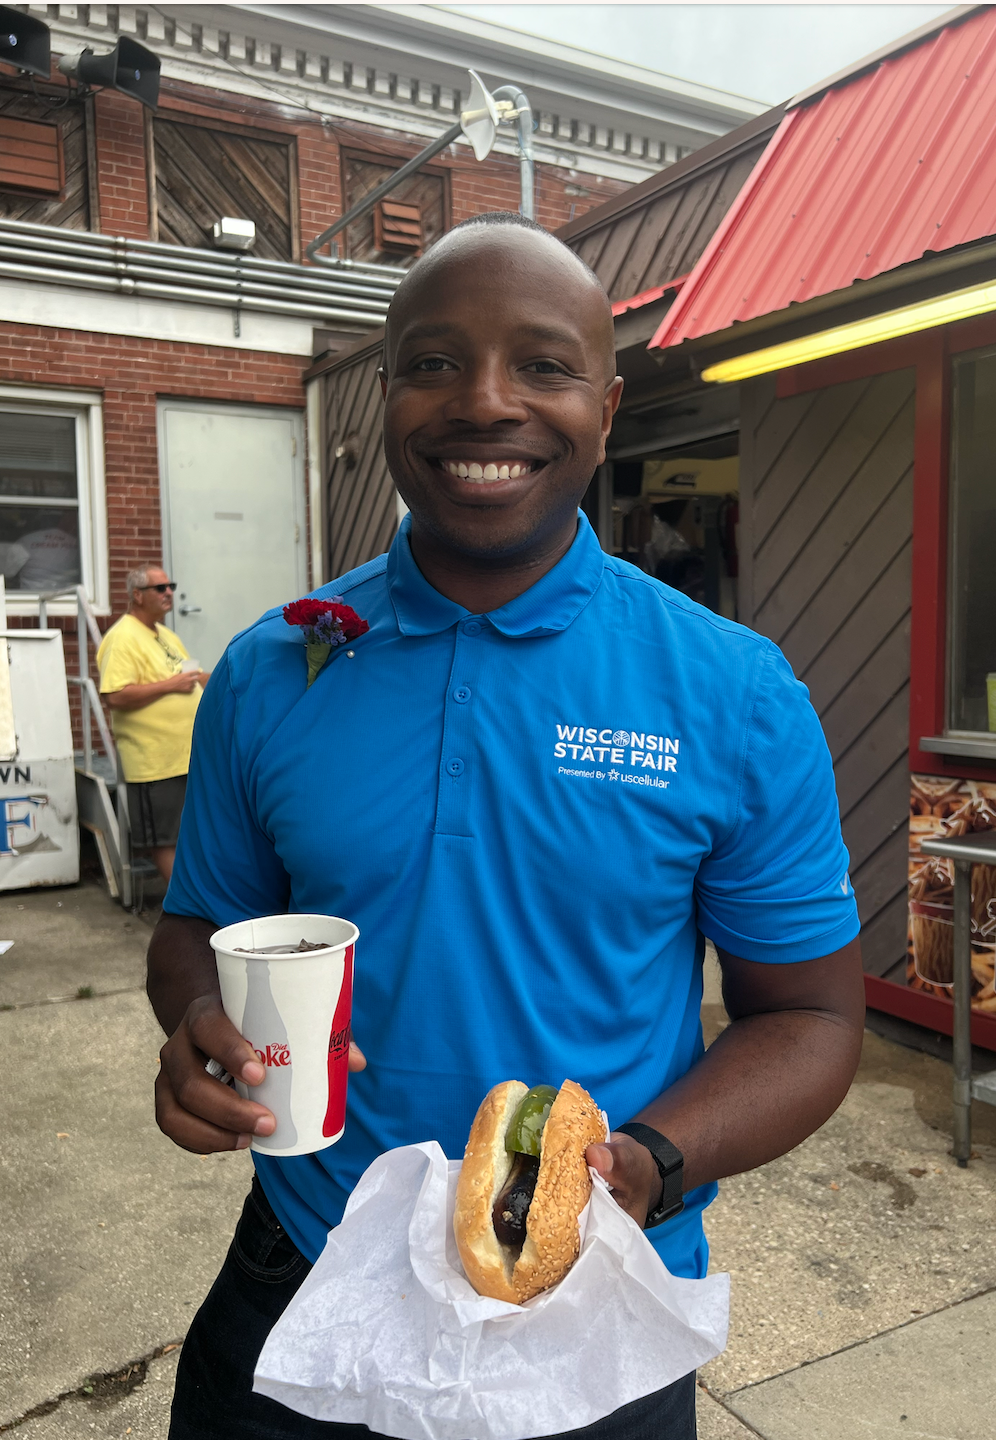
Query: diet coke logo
[278, 1054]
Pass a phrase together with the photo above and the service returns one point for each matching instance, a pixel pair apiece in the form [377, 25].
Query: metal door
[233, 517]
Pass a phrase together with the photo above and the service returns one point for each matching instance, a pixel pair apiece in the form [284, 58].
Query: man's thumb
[600, 1158]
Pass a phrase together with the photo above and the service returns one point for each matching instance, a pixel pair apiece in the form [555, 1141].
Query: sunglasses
[170, 585]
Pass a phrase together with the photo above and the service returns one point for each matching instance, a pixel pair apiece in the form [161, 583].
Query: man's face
[153, 605]
[500, 392]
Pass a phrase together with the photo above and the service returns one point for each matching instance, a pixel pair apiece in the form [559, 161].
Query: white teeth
[483, 474]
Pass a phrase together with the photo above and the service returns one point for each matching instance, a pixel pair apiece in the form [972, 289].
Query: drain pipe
[524, 130]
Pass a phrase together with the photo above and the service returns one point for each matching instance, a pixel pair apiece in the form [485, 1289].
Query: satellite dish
[479, 121]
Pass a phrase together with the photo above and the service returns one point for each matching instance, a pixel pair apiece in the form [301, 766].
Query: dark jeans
[262, 1271]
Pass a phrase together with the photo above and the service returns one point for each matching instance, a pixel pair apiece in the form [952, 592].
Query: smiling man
[535, 784]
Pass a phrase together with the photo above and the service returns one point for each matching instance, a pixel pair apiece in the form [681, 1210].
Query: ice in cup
[292, 1002]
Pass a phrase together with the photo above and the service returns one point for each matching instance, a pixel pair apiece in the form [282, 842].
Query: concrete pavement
[854, 1260]
[111, 1234]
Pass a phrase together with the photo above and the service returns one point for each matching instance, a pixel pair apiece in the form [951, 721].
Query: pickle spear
[524, 1134]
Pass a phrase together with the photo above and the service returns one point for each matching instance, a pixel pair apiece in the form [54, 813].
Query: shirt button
[472, 627]
[461, 694]
[454, 767]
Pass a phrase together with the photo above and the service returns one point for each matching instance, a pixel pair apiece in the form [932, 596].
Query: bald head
[502, 248]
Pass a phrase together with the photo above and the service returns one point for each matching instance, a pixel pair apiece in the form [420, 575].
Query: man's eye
[546, 367]
[432, 364]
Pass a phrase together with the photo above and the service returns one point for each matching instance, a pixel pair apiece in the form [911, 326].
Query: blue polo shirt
[534, 816]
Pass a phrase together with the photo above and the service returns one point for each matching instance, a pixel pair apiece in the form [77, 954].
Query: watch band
[669, 1161]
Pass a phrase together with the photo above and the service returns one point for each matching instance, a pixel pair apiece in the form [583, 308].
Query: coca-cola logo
[339, 1040]
[278, 1054]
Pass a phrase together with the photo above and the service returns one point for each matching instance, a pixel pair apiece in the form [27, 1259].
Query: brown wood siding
[202, 174]
[426, 188]
[361, 501]
[826, 506]
[665, 237]
[68, 206]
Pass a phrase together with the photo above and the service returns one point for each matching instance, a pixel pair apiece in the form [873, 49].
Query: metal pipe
[308, 281]
[524, 132]
[962, 1048]
[369, 201]
[78, 241]
[227, 299]
[87, 729]
[43, 255]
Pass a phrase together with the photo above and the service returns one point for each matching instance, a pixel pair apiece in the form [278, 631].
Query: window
[972, 581]
[52, 521]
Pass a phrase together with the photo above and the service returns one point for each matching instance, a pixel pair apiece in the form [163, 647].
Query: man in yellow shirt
[153, 689]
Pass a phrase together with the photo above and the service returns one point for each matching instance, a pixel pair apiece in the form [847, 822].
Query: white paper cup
[294, 1009]
[191, 667]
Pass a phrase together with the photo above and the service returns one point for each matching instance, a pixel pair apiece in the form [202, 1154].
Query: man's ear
[382, 377]
[613, 395]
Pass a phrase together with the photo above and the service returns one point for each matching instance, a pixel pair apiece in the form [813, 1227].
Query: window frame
[87, 410]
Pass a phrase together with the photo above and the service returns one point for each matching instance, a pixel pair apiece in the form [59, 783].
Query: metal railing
[109, 824]
[86, 628]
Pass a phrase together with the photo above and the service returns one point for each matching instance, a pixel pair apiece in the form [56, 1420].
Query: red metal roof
[647, 297]
[874, 173]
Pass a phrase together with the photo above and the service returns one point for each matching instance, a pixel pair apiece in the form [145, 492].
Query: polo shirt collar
[546, 608]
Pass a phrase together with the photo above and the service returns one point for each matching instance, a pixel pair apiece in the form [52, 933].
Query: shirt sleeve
[119, 666]
[776, 887]
[226, 869]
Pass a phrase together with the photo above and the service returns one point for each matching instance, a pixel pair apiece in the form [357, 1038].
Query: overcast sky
[767, 52]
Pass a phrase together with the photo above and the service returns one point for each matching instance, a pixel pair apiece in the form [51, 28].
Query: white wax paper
[388, 1332]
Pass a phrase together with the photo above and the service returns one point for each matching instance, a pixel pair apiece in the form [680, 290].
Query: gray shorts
[154, 808]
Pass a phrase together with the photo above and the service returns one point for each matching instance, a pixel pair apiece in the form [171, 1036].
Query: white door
[233, 517]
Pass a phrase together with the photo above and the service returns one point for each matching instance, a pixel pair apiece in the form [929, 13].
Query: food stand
[836, 334]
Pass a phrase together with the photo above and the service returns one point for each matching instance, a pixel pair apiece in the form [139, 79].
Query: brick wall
[121, 177]
[131, 373]
[491, 185]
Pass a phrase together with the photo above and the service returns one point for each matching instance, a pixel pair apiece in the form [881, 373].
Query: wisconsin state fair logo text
[622, 752]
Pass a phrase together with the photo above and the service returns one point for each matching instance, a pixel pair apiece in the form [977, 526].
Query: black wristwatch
[671, 1164]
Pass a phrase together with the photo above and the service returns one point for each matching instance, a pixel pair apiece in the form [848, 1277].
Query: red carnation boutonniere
[326, 624]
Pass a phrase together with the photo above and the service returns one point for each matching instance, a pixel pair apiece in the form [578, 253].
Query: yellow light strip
[959, 305]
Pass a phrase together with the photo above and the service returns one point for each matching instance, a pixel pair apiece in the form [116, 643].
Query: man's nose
[487, 394]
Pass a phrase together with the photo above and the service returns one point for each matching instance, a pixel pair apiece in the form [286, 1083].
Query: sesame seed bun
[563, 1187]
